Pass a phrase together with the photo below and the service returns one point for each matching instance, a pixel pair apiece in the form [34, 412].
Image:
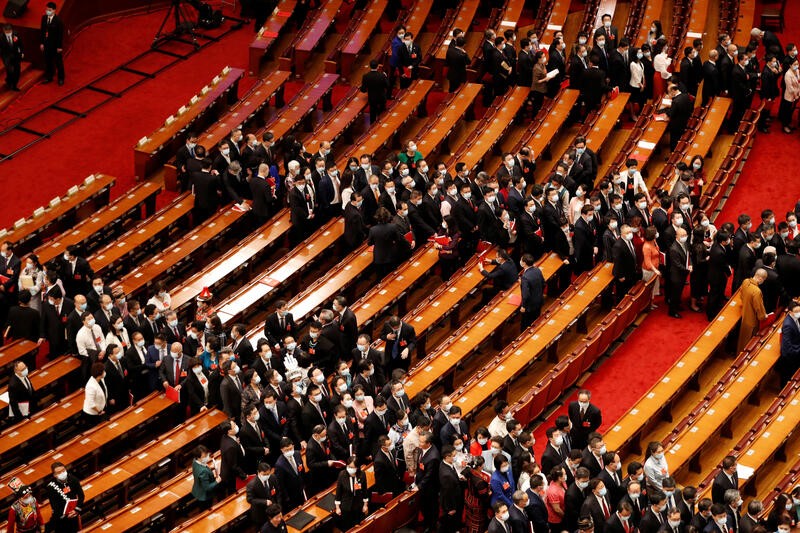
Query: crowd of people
[305, 411]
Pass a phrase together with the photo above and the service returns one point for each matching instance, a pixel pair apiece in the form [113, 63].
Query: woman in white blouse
[161, 299]
[661, 63]
[118, 335]
[576, 203]
[637, 83]
[655, 467]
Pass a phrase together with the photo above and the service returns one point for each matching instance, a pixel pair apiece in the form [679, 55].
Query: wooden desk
[510, 15]
[539, 139]
[611, 112]
[221, 270]
[46, 377]
[491, 130]
[248, 108]
[154, 502]
[321, 24]
[444, 300]
[516, 357]
[268, 34]
[697, 22]
[441, 362]
[110, 258]
[660, 395]
[463, 20]
[301, 105]
[345, 114]
[457, 107]
[28, 233]
[182, 250]
[87, 444]
[124, 208]
[119, 475]
[685, 445]
[15, 437]
[380, 133]
[415, 23]
[745, 21]
[323, 289]
[647, 143]
[393, 286]
[161, 144]
[21, 349]
[218, 517]
[369, 24]
[556, 20]
[707, 132]
[279, 273]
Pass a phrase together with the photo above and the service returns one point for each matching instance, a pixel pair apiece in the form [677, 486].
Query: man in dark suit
[611, 35]
[291, 474]
[52, 44]
[376, 85]
[740, 91]
[253, 439]
[12, 54]
[751, 520]
[262, 188]
[401, 341]
[503, 276]
[261, 492]
[585, 417]
[619, 65]
[500, 522]
[532, 289]
[597, 505]
[679, 112]
[315, 412]
[686, 74]
[206, 189]
[621, 520]
[410, 56]
[711, 78]
[654, 519]
[302, 209]
[679, 266]
[584, 241]
[23, 322]
[638, 503]
[230, 390]
[457, 61]
[536, 510]
[279, 324]
[355, 230]
[75, 272]
[554, 454]
[116, 380]
[139, 375]
[21, 394]
[726, 62]
[612, 478]
[231, 457]
[377, 423]
[342, 435]
[426, 480]
[451, 493]
[55, 313]
[593, 85]
[319, 461]
[624, 257]
[574, 497]
[727, 479]
[388, 478]
[556, 60]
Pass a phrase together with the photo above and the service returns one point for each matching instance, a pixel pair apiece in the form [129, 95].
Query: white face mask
[62, 476]
[352, 470]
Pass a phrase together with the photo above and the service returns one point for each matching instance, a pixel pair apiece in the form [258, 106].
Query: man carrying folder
[66, 500]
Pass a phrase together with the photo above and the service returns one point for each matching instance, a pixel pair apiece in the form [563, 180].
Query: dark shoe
[60, 83]
[675, 315]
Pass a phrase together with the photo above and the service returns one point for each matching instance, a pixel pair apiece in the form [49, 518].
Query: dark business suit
[263, 199]
[351, 493]
[376, 85]
[711, 82]
[406, 338]
[275, 329]
[427, 481]
[206, 188]
[451, 497]
[12, 54]
[387, 243]
[532, 289]
[52, 38]
[355, 231]
[584, 239]
[722, 483]
[253, 440]
[680, 111]
[232, 459]
[583, 425]
[292, 481]
[21, 390]
[54, 326]
[231, 396]
[387, 474]
[261, 494]
[625, 273]
[592, 507]
[457, 61]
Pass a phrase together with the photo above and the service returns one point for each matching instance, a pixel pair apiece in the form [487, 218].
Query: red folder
[271, 34]
[565, 83]
[173, 394]
[70, 507]
[409, 237]
[514, 299]
[443, 240]
[614, 93]
[483, 246]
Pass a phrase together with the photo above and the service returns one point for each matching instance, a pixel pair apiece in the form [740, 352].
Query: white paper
[744, 472]
[646, 145]
[552, 74]
[4, 397]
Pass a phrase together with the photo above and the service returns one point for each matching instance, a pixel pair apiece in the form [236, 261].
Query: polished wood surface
[436, 132]
[14, 351]
[345, 114]
[118, 210]
[355, 42]
[268, 34]
[140, 236]
[48, 375]
[181, 250]
[15, 437]
[463, 20]
[676, 378]
[301, 105]
[86, 194]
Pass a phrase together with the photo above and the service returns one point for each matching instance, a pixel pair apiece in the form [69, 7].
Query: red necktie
[604, 506]
[177, 372]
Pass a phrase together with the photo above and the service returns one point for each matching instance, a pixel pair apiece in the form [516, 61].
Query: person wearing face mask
[321, 463]
[96, 396]
[74, 271]
[451, 493]
[388, 476]
[12, 54]
[351, 495]
[52, 44]
[343, 438]
[330, 194]
[223, 160]
[197, 388]
[637, 503]
[790, 95]
[679, 266]
[278, 325]
[22, 398]
[623, 254]
[232, 457]
[60, 490]
[355, 228]
[303, 208]
[500, 522]
[789, 360]
[610, 33]
[253, 439]
[116, 379]
[410, 56]
[753, 310]
[655, 518]
[376, 84]
[230, 389]
[401, 341]
[585, 417]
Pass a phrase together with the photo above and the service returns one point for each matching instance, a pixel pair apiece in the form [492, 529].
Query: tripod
[183, 24]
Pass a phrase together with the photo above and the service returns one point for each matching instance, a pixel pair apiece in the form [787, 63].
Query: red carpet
[615, 388]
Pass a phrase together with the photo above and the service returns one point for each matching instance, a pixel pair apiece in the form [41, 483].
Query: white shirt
[637, 75]
[94, 401]
[661, 64]
[85, 339]
[497, 427]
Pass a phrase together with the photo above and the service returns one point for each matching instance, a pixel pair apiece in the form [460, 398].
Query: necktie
[274, 412]
[604, 506]
[175, 331]
[28, 384]
[583, 412]
[627, 526]
[294, 465]
[383, 423]
[319, 410]
[141, 355]
[237, 383]
[660, 518]
[177, 371]
[401, 404]
[344, 430]
[118, 367]
[281, 322]
[630, 247]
